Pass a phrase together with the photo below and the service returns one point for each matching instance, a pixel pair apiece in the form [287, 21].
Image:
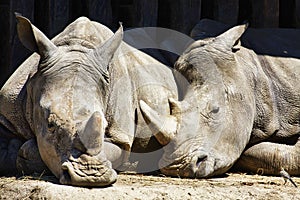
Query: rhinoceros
[73, 106]
[240, 108]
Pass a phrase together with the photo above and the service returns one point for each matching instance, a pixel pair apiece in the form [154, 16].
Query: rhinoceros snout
[203, 166]
[198, 165]
[87, 171]
[196, 168]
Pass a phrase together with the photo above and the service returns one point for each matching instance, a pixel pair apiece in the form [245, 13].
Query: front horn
[93, 134]
[163, 127]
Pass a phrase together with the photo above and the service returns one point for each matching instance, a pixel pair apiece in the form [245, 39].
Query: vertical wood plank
[265, 13]
[100, 11]
[58, 16]
[4, 42]
[226, 11]
[287, 14]
[146, 13]
[18, 53]
[41, 19]
[245, 11]
[184, 14]
[207, 9]
[78, 8]
[51, 16]
[297, 13]
[125, 13]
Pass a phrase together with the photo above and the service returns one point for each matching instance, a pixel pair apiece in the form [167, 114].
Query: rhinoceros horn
[93, 134]
[163, 127]
[33, 39]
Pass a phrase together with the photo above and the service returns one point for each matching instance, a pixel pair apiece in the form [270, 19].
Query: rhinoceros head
[66, 100]
[209, 128]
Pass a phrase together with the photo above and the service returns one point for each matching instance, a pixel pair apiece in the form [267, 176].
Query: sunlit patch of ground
[233, 186]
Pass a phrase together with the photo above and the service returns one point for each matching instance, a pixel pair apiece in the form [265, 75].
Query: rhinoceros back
[13, 99]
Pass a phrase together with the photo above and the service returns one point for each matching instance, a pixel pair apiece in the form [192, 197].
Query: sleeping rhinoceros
[75, 104]
[239, 108]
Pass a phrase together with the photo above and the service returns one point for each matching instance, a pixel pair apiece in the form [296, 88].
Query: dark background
[51, 16]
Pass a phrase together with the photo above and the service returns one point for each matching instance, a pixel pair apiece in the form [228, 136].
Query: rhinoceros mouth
[192, 166]
[87, 171]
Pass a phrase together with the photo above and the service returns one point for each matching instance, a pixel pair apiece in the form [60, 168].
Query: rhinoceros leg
[29, 159]
[268, 158]
[8, 153]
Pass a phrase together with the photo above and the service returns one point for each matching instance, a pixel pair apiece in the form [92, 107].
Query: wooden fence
[51, 16]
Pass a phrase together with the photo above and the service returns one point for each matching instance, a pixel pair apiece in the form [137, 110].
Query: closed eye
[211, 113]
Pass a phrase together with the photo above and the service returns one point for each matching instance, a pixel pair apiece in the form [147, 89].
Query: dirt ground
[233, 186]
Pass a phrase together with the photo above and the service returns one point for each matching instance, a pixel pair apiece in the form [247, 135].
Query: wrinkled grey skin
[239, 108]
[76, 101]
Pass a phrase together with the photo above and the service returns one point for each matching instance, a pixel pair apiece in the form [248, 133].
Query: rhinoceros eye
[215, 109]
[51, 127]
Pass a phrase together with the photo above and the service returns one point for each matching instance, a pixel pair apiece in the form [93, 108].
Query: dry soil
[232, 186]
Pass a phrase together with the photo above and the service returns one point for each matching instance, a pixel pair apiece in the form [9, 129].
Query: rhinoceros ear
[106, 51]
[32, 38]
[163, 127]
[230, 38]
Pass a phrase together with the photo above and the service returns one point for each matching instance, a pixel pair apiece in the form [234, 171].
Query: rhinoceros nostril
[51, 127]
[65, 177]
[200, 159]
